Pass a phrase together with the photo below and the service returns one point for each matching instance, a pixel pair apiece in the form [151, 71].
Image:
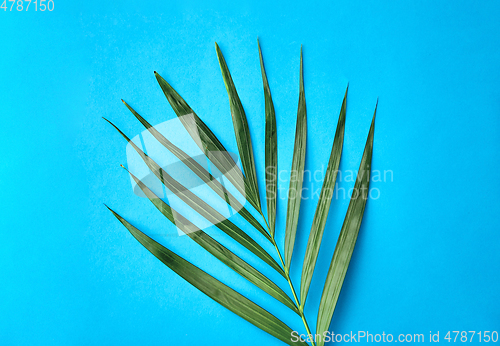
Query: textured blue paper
[427, 257]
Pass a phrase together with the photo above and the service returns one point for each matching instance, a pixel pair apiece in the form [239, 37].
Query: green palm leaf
[204, 209]
[201, 172]
[347, 238]
[241, 131]
[216, 249]
[247, 186]
[213, 288]
[271, 158]
[321, 214]
[296, 173]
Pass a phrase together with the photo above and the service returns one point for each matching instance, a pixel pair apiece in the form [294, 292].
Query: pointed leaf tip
[298, 163]
[242, 134]
[271, 149]
[117, 129]
[374, 114]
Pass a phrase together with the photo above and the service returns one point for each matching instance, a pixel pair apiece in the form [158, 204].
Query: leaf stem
[299, 307]
[287, 275]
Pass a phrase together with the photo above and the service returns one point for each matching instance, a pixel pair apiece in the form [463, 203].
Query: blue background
[428, 253]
